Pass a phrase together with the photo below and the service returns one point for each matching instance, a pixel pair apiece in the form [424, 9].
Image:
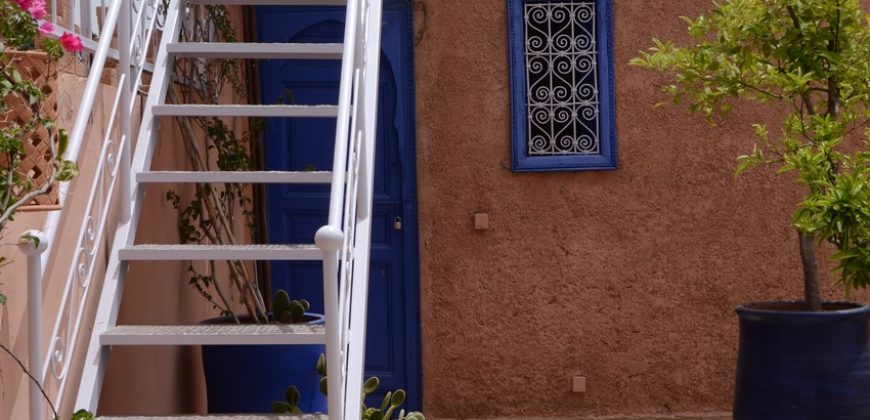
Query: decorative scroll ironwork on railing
[562, 78]
[143, 22]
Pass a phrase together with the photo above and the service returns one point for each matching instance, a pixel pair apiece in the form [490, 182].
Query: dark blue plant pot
[248, 379]
[795, 364]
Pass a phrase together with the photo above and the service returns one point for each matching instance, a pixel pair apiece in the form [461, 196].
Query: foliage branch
[391, 402]
[213, 144]
[21, 29]
[810, 58]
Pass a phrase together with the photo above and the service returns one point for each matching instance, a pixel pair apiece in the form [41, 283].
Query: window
[562, 85]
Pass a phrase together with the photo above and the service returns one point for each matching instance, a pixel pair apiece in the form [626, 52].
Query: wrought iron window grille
[562, 85]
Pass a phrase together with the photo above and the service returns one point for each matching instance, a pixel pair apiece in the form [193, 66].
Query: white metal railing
[124, 19]
[346, 239]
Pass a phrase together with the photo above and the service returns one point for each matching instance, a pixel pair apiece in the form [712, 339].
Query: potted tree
[810, 59]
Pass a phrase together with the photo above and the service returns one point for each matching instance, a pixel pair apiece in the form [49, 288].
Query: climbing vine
[214, 212]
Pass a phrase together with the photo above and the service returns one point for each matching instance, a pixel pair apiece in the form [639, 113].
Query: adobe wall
[628, 277]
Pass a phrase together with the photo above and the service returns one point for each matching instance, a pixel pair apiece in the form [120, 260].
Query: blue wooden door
[294, 213]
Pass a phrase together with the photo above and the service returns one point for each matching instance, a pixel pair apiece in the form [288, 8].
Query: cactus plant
[288, 311]
[392, 400]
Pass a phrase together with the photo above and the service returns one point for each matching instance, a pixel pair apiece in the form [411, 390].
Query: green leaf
[83, 415]
[291, 395]
[323, 386]
[398, 398]
[321, 365]
[281, 407]
[2, 299]
[62, 142]
[371, 385]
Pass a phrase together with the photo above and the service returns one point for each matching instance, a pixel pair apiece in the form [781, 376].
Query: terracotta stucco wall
[627, 277]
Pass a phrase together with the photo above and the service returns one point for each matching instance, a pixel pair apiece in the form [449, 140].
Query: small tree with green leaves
[811, 58]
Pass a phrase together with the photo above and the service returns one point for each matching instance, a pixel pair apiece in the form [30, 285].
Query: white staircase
[342, 245]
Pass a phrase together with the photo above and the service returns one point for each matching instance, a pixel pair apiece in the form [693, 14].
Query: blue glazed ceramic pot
[248, 379]
[797, 364]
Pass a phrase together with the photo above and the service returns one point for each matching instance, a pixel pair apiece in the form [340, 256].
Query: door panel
[295, 212]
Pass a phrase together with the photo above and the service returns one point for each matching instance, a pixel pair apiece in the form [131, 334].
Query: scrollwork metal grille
[562, 78]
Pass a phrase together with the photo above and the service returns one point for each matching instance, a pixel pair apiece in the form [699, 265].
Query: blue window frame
[562, 100]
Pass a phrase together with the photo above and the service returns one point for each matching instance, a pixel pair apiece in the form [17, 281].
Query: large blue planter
[795, 364]
[247, 379]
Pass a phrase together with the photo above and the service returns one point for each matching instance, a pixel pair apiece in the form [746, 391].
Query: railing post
[33, 243]
[329, 239]
[124, 52]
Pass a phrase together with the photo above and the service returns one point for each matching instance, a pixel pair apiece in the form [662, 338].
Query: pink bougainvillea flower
[23, 4]
[71, 42]
[46, 28]
[36, 9]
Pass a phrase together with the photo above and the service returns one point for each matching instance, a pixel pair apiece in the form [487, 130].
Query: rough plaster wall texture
[628, 277]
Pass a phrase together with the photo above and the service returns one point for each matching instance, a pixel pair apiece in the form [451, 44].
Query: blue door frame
[322, 24]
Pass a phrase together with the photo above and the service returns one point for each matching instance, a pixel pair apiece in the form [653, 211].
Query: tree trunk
[812, 295]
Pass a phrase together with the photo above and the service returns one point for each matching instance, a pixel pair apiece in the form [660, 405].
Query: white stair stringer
[106, 316]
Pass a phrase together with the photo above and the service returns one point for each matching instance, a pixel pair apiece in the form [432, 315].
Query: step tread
[232, 334]
[307, 51]
[192, 110]
[223, 417]
[273, 2]
[252, 177]
[181, 252]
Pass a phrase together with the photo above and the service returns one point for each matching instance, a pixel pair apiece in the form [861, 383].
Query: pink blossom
[71, 42]
[36, 9]
[23, 4]
[46, 28]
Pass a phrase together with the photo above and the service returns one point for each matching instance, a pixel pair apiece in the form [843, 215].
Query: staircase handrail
[112, 168]
[346, 239]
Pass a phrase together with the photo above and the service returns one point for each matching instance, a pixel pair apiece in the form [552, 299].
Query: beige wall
[15, 324]
[628, 277]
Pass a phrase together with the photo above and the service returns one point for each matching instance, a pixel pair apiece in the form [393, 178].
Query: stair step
[247, 177]
[192, 335]
[172, 252]
[256, 50]
[313, 111]
[273, 2]
[223, 417]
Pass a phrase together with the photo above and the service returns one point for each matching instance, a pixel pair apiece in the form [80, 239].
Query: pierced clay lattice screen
[36, 161]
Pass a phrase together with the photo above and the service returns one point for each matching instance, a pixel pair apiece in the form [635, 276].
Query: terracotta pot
[37, 159]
